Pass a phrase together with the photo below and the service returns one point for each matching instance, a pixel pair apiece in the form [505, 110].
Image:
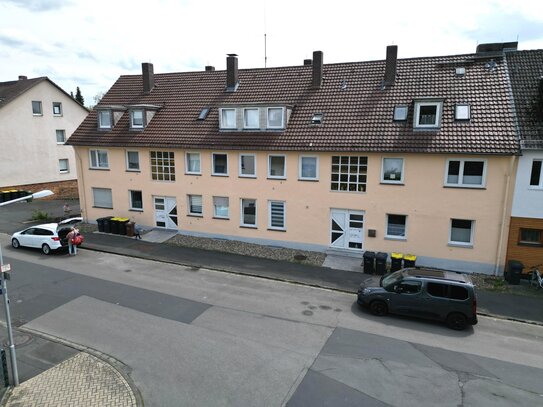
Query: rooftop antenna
[265, 39]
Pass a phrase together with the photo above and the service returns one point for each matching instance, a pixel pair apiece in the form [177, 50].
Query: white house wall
[527, 200]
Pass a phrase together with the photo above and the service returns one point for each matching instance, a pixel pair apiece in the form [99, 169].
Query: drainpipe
[504, 213]
[81, 187]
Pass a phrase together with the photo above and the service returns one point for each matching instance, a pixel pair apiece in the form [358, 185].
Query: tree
[79, 96]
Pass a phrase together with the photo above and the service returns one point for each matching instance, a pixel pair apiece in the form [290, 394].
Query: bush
[40, 215]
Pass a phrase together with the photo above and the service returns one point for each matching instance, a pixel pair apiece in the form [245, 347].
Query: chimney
[22, 78]
[232, 73]
[317, 69]
[390, 65]
[308, 62]
[148, 77]
[210, 68]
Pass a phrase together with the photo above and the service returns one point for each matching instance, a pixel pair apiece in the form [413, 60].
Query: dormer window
[228, 118]
[251, 118]
[276, 119]
[104, 119]
[136, 119]
[428, 114]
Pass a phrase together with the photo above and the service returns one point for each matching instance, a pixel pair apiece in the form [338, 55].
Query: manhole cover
[19, 340]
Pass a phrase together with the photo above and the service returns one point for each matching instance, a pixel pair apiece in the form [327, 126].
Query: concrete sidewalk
[502, 305]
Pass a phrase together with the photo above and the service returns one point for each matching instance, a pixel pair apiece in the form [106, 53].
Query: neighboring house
[410, 155]
[526, 229]
[36, 119]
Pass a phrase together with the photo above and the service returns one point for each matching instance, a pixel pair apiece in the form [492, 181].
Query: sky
[90, 43]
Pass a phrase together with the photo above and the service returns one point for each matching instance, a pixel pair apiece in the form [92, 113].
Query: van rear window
[458, 293]
[437, 290]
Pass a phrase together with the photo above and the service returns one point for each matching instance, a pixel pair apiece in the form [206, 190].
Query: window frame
[215, 214]
[361, 186]
[457, 111]
[187, 163]
[63, 136]
[191, 204]
[242, 218]
[94, 190]
[131, 200]
[67, 170]
[460, 183]
[439, 112]
[284, 176]
[101, 126]
[240, 165]
[128, 161]
[459, 243]
[59, 106]
[134, 126]
[530, 243]
[245, 125]
[38, 104]
[170, 164]
[213, 172]
[540, 182]
[399, 181]
[270, 213]
[97, 159]
[395, 237]
[268, 126]
[222, 121]
[300, 168]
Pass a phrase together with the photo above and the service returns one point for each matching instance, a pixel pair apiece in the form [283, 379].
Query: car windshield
[391, 280]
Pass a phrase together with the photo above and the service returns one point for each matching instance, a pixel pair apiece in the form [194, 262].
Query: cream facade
[418, 212]
[33, 145]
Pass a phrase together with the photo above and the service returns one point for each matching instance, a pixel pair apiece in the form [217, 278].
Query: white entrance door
[165, 212]
[346, 229]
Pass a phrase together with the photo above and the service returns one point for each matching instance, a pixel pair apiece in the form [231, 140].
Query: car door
[406, 298]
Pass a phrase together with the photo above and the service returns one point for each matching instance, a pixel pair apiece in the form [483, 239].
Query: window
[203, 113]
[276, 166]
[275, 118]
[309, 167]
[61, 136]
[132, 161]
[462, 112]
[228, 118]
[317, 118]
[162, 165]
[392, 171]
[396, 226]
[458, 293]
[63, 165]
[437, 289]
[136, 119]
[98, 159]
[247, 165]
[461, 232]
[400, 113]
[136, 200]
[36, 108]
[57, 109]
[466, 173]
[104, 119]
[193, 163]
[536, 178]
[251, 119]
[102, 198]
[276, 210]
[349, 173]
[531, 237]
[195, 205]
[409, 287]
[248, 212]
[220, 164]
[221, 207]
[428, 114]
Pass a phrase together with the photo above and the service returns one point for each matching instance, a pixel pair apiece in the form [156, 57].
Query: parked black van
[425, 293]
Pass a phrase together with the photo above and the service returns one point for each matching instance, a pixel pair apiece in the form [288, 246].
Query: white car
[47, 237]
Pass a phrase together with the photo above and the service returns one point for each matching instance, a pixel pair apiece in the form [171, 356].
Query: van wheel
[46, 249]
[378, 308]
[457, 321]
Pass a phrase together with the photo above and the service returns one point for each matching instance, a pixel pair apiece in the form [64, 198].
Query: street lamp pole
[12, 355]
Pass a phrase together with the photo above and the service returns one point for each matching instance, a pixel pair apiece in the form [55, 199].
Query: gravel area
[498, 284]
[250, 249]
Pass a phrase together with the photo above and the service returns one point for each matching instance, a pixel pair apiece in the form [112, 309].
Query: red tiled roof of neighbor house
[358, 110]
[526, 75]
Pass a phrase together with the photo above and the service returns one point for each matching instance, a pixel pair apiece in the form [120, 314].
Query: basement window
[317, 118]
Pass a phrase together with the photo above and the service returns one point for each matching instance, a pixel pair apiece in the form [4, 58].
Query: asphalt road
[196, 337]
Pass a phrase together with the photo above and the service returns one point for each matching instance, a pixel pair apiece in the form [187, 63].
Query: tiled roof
[10, 90]
[357, 117]
[526, 70]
